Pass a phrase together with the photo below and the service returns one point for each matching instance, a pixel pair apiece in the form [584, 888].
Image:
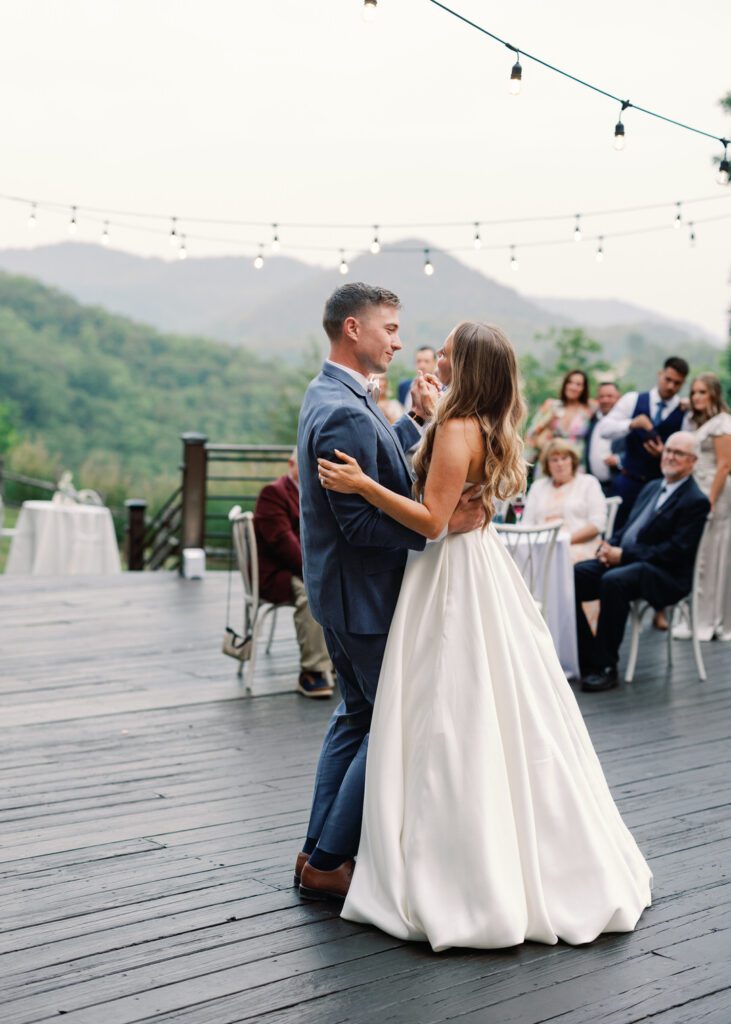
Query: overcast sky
[296, 110]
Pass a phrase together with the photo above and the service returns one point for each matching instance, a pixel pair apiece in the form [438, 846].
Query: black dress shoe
[605, 679]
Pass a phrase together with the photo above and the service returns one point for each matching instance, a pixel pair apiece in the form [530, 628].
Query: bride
[487, 818]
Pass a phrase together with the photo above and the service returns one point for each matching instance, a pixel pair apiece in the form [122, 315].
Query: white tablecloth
[63, 540]
[560, 611]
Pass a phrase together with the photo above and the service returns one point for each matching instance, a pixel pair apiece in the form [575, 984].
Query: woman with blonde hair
[710, 422]
[562, 492]
[487, 818]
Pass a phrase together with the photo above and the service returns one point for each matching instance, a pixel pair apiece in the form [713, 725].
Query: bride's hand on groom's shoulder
[469, 514]
[424, 394]
[346, 476]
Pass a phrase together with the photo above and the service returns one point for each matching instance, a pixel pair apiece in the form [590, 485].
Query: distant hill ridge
[279, 307]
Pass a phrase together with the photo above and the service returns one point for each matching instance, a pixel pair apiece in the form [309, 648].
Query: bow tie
[374, 389]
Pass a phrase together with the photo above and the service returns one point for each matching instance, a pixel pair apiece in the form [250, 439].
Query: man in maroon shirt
[277, 527]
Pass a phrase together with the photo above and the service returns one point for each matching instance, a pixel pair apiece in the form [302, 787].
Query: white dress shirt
[617, 422]
[666, 490]
[599, 448]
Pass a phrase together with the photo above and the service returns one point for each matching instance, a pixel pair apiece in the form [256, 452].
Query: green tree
[8, 434]
[575, 350]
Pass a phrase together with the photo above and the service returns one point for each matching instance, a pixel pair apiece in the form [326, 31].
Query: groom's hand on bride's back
[469, 514]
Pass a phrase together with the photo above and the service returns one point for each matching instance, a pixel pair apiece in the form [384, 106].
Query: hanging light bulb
[691, 237]
[375, 245]
[72, 221]
[370, 8]
[344, 268]
[477, 240]
[516, 76]
[276, 244]
[32, 216]
[173, 231]
[513, 259]
[724, 168]
[619, 136]
[428, 265]
[678, 216]
[577, 228]
[259, 259]
[105, 233]
[600, 249]
[182, 251]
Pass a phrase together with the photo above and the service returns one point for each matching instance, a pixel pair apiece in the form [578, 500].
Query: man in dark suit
[354, 558]
[277, 528]
[600, 454]
[645, 420]
[650, 557]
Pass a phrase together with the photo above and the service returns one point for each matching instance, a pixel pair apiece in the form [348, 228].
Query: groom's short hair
[350, 300]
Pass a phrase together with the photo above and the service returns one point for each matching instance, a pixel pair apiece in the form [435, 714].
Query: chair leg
[670, 612]
[251, 667]
[271, 631]
[699, 664]
[634, 644]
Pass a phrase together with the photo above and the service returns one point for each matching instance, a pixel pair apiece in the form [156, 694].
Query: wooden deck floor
[150, 816]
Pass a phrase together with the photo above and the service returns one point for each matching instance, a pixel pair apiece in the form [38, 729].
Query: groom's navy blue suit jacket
[353, 554]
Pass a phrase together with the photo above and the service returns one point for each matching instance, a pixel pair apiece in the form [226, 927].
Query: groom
[354, 557]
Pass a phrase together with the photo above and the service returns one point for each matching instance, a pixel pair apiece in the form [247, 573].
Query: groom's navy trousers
[353, 561]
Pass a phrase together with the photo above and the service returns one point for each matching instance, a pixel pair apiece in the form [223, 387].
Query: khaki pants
[313, 652]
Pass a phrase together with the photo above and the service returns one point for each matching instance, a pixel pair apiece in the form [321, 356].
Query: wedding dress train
[487, 817]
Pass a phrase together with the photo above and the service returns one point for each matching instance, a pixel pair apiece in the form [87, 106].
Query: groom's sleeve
[362, 524]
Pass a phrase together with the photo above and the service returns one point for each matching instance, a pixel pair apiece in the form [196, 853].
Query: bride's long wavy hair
[485, 387]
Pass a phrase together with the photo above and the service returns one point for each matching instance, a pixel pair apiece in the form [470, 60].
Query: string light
[619, 127]
[72, 221]
[105, 233]
[477, 240]
[276, 244]
[370, 8]
[691, 237]
[724, 170]
[32, 216]
[428, 265]
[182, 251]
[577, 228]
[173, 231]
[344, 268]
[513, 259]
[375, 246]
[516, 76]
[678, 216]
[259, 261]
[600, 249]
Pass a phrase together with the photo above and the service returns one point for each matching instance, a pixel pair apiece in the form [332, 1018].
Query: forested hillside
[109, 398]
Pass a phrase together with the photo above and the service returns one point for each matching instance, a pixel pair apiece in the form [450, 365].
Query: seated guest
[390, 408]
[645, 420]
[601, 454]
[564, 493]
[650, 557]
[277, 528]
[566, 416]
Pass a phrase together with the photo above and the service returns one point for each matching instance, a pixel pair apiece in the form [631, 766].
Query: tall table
[54, 539]
[560, 610]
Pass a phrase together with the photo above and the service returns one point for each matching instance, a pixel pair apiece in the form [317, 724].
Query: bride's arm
[447, 475]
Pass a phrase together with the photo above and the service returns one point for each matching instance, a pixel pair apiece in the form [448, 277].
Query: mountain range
[275, 310]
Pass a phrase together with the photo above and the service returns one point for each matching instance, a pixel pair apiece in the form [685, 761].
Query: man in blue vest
[646, 420]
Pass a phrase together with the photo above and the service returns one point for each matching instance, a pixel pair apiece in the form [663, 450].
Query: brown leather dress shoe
[326, 885]
[299, 864]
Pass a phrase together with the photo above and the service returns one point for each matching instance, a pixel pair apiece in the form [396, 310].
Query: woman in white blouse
[562, 492]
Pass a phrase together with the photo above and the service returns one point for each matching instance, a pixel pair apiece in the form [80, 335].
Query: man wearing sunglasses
[650, 557]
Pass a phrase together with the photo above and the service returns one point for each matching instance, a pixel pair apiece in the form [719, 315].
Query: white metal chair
[532, 549]
[256, 611]
[612, 509]
[687, 607]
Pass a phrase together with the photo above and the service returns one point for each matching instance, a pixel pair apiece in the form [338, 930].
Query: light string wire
[626, 104]
[55, 206]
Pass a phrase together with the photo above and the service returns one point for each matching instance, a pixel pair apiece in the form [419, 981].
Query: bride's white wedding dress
[487, 818]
